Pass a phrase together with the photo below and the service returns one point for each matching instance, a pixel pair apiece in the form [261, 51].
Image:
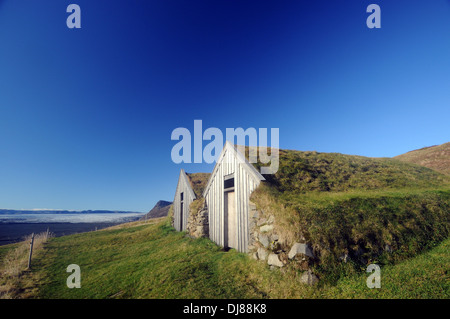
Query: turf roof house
[184, 196]
[226, 195]
[189, 188]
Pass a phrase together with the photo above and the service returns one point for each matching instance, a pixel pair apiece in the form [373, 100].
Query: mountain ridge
[160, 209]
[436, 157]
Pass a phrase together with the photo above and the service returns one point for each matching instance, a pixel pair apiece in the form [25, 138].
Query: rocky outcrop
[261, 253]
[300, 249]
[309, 278]
[274, 260]
[161, 209]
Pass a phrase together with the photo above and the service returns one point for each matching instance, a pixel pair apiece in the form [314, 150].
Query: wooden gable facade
[184, 196]
[227, 198]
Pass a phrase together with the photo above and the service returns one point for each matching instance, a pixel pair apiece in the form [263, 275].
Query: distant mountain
[436, 157]
[161, 209]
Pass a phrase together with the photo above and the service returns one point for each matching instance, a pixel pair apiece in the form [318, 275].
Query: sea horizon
[16, 225]
[66, 216]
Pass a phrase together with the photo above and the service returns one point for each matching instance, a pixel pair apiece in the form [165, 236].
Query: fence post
[31, 251]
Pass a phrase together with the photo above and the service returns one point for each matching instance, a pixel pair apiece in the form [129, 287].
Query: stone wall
[264, 245]
[198, 225]
[170, 216]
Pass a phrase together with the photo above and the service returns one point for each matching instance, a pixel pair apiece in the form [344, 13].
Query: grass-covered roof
[198, 182]
[371, 209]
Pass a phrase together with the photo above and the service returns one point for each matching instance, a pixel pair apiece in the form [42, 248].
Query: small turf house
[184, 196]
[227, 197]
[189, 188]
[226, 192]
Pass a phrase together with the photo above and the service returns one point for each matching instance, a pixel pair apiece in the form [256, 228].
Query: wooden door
[181, 216]
[230, 220]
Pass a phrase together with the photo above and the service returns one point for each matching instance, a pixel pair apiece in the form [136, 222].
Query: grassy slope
[435, 157]
[301, 172]
[16, 280]
[158, 262]
[372, 209]
[4, 249]
[336, 201]
[155, 262]
[425, 276]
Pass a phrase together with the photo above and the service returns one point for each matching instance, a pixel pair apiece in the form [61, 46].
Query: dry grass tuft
[15, 264]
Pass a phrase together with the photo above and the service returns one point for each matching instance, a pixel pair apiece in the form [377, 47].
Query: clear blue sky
[86, 114]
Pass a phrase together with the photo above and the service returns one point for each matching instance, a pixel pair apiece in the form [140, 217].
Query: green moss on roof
[198, 182]
[355, 205]
[301, 172]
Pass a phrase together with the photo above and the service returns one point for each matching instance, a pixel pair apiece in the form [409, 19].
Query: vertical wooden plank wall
[244, 184]
[188, 197]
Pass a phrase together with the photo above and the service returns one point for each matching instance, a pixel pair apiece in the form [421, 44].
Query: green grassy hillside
[365, 209]
[436, 157]
[152, 260]
[353, 210]
[301, 172]
[426, 276]
[369, 227]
